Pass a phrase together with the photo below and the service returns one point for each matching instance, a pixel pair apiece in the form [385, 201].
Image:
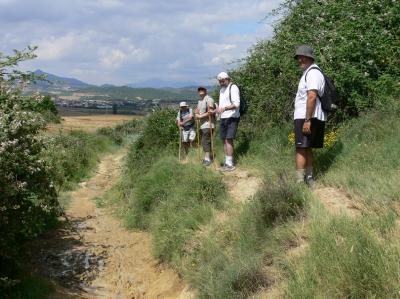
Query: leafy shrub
[160, 136]
[72, 156]
[119, 133]
[356, 43]
[45, 106]
[28, 197]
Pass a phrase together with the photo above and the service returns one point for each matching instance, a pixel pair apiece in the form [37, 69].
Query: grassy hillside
[286, 242]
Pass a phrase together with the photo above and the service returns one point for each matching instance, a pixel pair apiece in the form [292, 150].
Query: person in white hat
[229, 104]
[185, 122]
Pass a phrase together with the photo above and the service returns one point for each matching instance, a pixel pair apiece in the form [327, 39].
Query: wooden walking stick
[198, 138]
[180, 143]
[211, 135]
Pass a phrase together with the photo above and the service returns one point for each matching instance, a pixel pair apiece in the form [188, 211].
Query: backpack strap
[312, 68]
[230, 92]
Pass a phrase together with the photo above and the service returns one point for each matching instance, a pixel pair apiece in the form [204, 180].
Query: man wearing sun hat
[309, 117]
[185, 122]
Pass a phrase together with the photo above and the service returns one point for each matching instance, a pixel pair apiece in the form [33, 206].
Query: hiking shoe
[207, 162]
[227, 168]
[310, 182]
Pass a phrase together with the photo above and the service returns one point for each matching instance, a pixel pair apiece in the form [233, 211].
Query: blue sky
[121, 41]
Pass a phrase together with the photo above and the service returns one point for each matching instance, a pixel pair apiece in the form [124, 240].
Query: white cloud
[123, 41]
[54, 48]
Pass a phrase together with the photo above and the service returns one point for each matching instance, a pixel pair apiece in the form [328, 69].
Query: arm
[311, 100]
[315, 81]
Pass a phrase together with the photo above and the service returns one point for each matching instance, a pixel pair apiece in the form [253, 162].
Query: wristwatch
[307, 119]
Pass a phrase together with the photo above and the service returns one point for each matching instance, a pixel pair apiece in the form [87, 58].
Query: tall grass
[229, 261]
[368, 164]
[347, 258]
[172, 201]
[73, 156]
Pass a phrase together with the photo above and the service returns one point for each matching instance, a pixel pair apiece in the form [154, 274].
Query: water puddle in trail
[69, 261]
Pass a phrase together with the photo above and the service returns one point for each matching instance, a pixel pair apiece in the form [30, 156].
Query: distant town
[137, 106]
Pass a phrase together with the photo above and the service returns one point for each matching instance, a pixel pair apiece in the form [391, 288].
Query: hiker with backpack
[316, 96]
[185, 123]
[229, 109]
[206, 116]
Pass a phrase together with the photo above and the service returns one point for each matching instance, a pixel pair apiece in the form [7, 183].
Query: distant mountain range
[151, 83]
[158, 83]
[151, 89]
[59, 81]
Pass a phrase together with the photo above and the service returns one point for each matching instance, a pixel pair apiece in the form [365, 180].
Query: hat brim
[309, 56]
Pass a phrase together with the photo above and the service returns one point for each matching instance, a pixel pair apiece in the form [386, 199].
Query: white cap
[183, 104]
[222, 76]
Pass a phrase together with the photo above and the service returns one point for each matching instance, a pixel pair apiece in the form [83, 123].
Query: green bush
[45, 106]
[356, 43]
[160, 136]
[28, 196]
[72, 156]
[122, 131]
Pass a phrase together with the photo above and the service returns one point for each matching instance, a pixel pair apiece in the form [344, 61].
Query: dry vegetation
[90, 123]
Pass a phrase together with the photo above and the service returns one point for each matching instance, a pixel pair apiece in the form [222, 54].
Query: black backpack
[329, 100]
[243, 104]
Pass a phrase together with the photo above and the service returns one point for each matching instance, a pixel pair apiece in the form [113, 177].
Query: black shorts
[228, 127]
[315, 139]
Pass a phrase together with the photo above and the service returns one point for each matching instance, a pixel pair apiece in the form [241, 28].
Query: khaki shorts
[188, 135]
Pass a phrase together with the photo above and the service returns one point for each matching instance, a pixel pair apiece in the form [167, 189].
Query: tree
[28, 199]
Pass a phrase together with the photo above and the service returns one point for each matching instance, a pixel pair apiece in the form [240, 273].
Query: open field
[90, 123]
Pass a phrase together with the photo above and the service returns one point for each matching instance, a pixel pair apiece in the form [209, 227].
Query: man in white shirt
[229, 104]
[309, 118]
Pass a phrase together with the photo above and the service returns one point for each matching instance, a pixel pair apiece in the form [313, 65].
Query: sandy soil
[94, 256]
[89, 123]
[242, 185]
[337, 201]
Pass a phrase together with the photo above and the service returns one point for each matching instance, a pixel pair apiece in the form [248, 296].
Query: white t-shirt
[225, 102]
[315, 81]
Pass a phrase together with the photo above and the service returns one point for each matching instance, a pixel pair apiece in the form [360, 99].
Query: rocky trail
[93, 256]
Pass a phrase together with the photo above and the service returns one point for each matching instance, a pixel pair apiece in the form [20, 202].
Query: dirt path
[242, 185]
[96, 257]
[337, 201]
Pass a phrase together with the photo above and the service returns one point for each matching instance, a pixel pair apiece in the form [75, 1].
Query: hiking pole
[180, 143]
[211, 136]
[198, 138]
